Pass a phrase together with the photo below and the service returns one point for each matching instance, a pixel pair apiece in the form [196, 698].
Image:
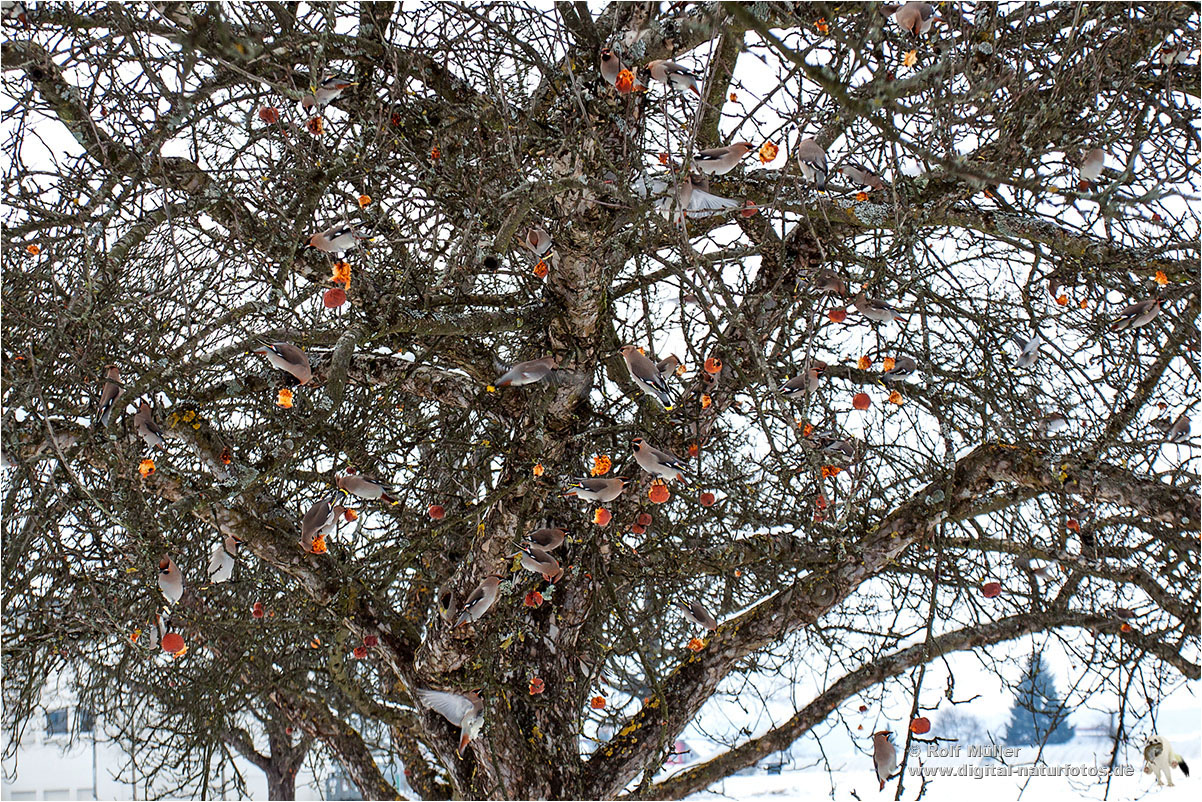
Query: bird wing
[451, 706]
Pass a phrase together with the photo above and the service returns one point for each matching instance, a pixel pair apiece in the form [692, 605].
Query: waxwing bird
[903, 368]
[529, 372]
[221, 560]
[1030, 352]
[1171, 54]
[288, 358]
[842, 448]
[320, 520]
[538, 242]
[547, 539]
[611, 65]
[335, 239]
[674, 75]
[603, 490]
[539, 562]
[646, 375]
[109, 394]
[146, 428]
[667, 367]
[805, 383]
[480, 600]
[720, 161]
[861, 175]
[884, 756]
[1051, 423]
[828, 281]
[465, 711]
[695, 612]
[326, 93]
[875, 309]
[1138, 314]
[171, 581]
[1175, 431]
[1160, 758]
[812, 159]
[687, 197]
[364, 487]
[656, 462]
[1091, 167]
[157, 627]
[915, 19]
[1040, 569]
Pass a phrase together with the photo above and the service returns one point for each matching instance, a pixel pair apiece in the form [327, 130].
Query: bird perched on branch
[465, 711]
[547, 539]
[903, 368]
[603, 490]
[696, 612]
[320, 520]
[539, 562]
[326, 92]
[720, 161]
[534, 370]
[171, 581]
[222, 559]
[807, 382]
[861, 175]
[364, 487]
[1160, 758]
[109, 394]
[875, 309]
[1138, 314]
[812, 159]
[147, 429]
[915, 19]
[1175, 431]
[1091, 167]
[288, 358]
[884, 756]
[480, 600]
[335, 239]
[828, 281]
[657, 463]
[674, 75]
[646, 375]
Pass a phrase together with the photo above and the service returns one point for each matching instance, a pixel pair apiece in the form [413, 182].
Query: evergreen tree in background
[1038, 716]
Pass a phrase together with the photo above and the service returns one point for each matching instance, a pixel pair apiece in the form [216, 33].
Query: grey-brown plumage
[720, 161]
[828, 281]
[523, 373]
[465, 711]
[365, 487]
[538, 242]
[861, 175]
[1030, 352]
[547, 539]
[1138, 314]
[1091, 168]
[903, 368]
[611, 65]
[646, 375]
[875, 309]
[146, 428]
[603, 490]
[695, 612]
[538, 561]
[480, 600]
[674, 75]
[807, 382]
[288, 358]
[335, 239]
[109, 394]
[812, 159]
[171, 581]
[663, 464]
[915, 19]
[321, 519]
[1175, 431]
[327, 92]
[222, 559]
